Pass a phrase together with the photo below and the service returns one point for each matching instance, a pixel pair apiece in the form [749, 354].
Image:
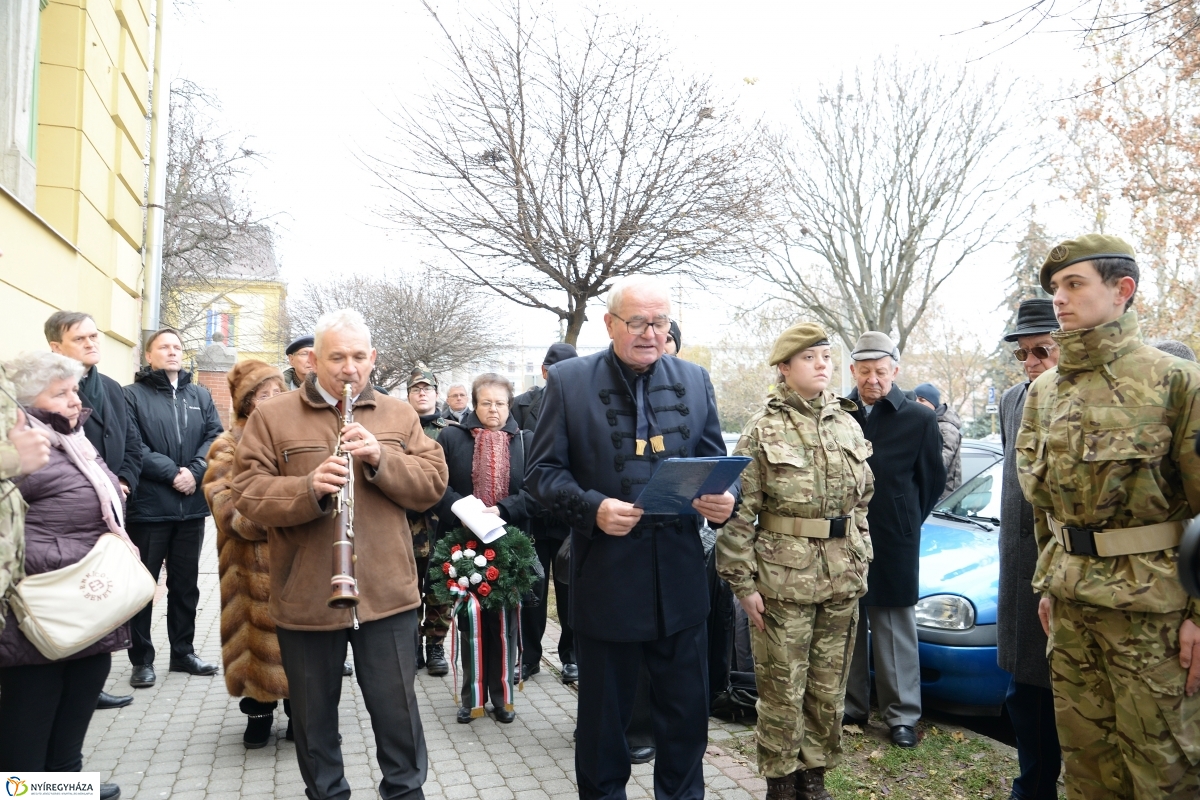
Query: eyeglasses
[422, 388]
[490, 404]
[1041, 351]
[638, 326]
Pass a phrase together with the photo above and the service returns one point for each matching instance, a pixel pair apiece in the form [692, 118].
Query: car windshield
[978, 497]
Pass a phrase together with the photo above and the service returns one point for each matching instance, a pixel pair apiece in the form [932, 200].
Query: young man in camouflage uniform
[800, 570]
[435, 623]
[1104, 455]
[24, 451]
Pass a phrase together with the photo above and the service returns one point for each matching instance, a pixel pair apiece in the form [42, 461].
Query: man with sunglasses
[1105, 456]
[1020, 640]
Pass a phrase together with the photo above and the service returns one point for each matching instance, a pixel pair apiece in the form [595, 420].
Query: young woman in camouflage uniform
[796, 555]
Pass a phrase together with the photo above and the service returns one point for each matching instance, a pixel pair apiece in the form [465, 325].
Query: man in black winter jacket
[110, 428]
[165, 517]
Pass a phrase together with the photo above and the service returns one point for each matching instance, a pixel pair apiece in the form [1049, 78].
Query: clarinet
[343, 585]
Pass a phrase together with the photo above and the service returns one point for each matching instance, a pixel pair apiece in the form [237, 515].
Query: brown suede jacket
[285, 440]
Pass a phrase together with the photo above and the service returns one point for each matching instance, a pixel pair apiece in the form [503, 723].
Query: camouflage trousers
[1126, 727]
[801, 663]
[434, 617]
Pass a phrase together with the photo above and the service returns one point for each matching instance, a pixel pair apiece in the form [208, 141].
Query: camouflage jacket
[1106, 442]
[12, 506]
[424, 523]
[805, 462]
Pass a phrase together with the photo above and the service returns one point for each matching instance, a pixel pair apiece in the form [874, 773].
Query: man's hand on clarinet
[360, 443]
[331, 476]
[616, 517]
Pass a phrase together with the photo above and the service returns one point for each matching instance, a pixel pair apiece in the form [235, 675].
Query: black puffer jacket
[177, 426]
[459, 445]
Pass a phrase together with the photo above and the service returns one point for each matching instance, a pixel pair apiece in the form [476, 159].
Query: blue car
[958, 587]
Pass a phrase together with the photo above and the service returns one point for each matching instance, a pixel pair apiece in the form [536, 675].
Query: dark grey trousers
[897, 667]
[385, 667]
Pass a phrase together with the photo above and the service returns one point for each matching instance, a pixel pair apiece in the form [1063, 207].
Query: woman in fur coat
[253, 667]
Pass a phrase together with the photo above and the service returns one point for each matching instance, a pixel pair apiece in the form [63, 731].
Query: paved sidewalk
[183, 738]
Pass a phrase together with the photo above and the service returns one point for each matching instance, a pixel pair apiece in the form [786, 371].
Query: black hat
[1034, 317]
[560, 351]
[677, 336]
[299, 344]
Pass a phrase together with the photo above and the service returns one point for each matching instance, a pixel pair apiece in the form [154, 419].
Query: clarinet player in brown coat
[249, 647]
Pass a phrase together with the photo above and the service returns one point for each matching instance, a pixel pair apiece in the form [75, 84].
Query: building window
[222, 323]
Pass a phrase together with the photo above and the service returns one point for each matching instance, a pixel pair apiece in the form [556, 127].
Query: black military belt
[826, 528]
[1118, 541]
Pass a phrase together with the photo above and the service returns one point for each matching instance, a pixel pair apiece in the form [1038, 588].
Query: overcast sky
[308, 81]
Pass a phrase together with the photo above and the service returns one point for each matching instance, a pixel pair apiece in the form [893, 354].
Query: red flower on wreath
[456, 548]
[484, 589]
[490, 555]
[471, 545]
[492, 573]
[451, 585]
[445, 567]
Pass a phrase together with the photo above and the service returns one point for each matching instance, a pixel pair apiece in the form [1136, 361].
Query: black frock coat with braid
[652, 582]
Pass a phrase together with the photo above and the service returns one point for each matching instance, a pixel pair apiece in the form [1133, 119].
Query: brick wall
[218, 385]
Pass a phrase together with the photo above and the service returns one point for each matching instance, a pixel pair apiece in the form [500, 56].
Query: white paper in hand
[470, 512]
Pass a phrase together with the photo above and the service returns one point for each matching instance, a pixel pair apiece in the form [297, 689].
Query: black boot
[110, 791]
[810, 784]
[781, 788]
[435, 659]
[260, 719]
[287, 709]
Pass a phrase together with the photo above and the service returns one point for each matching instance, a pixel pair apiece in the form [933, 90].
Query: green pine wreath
[505, 575]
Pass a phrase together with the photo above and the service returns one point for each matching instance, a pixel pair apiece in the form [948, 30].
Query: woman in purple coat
[45, 706]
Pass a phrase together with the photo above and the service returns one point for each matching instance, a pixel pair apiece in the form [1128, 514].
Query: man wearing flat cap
[1105, 456]
[909, 477]
[548, 534]
[298, 354]
[1020, 640]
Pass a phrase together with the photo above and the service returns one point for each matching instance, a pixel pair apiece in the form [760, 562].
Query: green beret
[1085, 248]
[800, 336]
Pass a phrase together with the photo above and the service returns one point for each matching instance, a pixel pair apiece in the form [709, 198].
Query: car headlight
[945, 611]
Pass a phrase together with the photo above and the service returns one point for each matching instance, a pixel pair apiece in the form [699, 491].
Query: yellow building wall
[258, 310]
[79, 248]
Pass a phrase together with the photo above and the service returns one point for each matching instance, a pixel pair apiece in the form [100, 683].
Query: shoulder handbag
[70, 609]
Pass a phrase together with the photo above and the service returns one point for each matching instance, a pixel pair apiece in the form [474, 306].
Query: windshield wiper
[960, 518]
[993, 520]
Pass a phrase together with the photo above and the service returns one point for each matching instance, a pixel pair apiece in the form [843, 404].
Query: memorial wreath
[498, 573]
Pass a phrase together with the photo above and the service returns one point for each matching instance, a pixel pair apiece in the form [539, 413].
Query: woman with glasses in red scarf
[486, 455]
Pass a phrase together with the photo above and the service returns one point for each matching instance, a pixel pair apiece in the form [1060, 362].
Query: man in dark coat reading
[639, 591]
[909, 478]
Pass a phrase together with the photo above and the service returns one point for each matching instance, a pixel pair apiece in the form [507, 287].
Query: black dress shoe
[849, 720]
[347, 669]
[529, 670]
[143, 676]
[193, 665]
[504, 716]
[641, 755]
[570, 673]
[464, 716]
[106, 700]
[110, 791]
[904, 736]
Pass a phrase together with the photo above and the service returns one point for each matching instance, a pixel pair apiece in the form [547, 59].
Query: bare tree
[426, 317]
[550, 162]
[214, 239]
[889, 183]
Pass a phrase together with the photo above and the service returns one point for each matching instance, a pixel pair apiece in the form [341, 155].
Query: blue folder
[679, 481]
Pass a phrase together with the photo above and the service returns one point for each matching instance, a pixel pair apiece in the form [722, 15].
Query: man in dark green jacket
[177, 422]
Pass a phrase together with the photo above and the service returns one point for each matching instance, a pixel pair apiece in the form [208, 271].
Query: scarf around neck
[490, 465]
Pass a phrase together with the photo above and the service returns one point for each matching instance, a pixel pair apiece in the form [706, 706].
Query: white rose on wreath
[453, 572]
[469, 553]
[476, 578]
[456, 555]
[464, 582]
[480, 561]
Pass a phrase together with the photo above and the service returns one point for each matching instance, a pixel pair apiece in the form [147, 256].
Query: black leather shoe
[464, 716]
[641, 755]
[849, 720]
[529, 670]
[110, 791]
[347, 669]
[193, 665]
[143, 676]
[570, 673]
[106, 700]
[435, 659]
[904, 736]
[504, 716]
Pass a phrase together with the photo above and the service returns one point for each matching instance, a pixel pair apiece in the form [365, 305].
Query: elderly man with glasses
[1020, 640]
